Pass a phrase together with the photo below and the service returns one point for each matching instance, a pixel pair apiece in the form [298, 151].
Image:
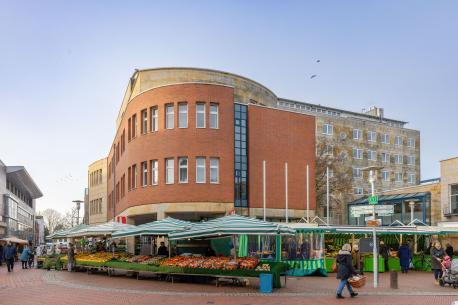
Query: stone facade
[449, 178]
[97, 192]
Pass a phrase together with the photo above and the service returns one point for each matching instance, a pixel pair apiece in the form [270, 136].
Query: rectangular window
[134, 176]
[398, 177]
[129, 178]
[154, 118]
[214, 170]
[385, 157]
[169, 171]
[183, 170]
[398, 159]
[169, 116]
[357, 153]
[154, 172]
[214, 116]
[372, 155]
[200, 170]
[200, 115]
[144, 173]
[129, 129]
[357, 134]
[144, 121]
[328, 129]
[328, 150]
[356, 172]
[358, 191]
[411, 178]
[411, 142]
[398, 140]
[182, 115]
[411, 160]
[454, 198]
[385, 176]
[134, 126]
[371, 136]
[385, 138]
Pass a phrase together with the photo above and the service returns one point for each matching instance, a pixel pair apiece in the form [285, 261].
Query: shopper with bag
[405, 257]
[344, 271]
[437, 254]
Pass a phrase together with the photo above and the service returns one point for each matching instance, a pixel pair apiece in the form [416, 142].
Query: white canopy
[101, 230]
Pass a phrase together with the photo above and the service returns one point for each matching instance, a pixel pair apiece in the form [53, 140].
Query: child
[446, 263]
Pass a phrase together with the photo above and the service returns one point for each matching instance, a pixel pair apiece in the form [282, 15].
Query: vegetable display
[216, 263]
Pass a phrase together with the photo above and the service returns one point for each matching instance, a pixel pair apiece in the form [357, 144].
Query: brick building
[190, 143]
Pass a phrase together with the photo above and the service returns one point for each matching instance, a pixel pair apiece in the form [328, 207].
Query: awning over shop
[100, 230]
[384, 198]
[159, 228]
[232, 225]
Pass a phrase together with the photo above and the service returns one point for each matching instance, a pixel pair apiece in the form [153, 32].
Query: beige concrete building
[449, 189]
[97, 191]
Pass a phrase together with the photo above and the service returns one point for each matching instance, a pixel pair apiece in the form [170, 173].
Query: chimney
[375, 111]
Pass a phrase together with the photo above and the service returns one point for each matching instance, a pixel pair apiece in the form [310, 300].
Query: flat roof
[19, 176]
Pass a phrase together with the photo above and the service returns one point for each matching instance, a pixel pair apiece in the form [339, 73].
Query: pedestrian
[449, 250]
[1, 253]
[31, 258]
[405, 255]
[9, 254]
[162, 250]
[71, 258]
[344, 271]
[384, 252]
[25, 256]
[437, 254]
[356, 259]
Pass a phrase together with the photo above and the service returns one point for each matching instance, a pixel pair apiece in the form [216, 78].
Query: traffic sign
[373, 199]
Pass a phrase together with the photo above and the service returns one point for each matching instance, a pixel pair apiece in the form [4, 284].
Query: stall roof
[381, 198]
[66, 232]
[160, 227]
[100, 230]
[232, 225]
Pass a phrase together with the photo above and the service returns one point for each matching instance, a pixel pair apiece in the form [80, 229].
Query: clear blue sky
[64, 66]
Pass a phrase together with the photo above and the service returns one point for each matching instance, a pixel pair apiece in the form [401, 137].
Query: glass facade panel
[241, 156]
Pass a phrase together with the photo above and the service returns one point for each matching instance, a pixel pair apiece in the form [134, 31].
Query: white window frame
[180, 167]
[329, 150]
[359, 153]
[201, 167]
[169, 116]
[135, 176]
[214, 168]
[385, 138]
[154, 172]
[387, 157]
[358, 133]
[182, 111]
[451, 196]
[411, 142]
[358, 191]
[357, 170]
[200, 113]
[169, 171]
[328, 129]
[154, 118]
[214, 114]
[385, 176]
[371, 136]
[398, 159]
[397, 176]
[144, 173]
[398, 141]
[372, 155]
[144, 114]
[410, 160]
[411, 178]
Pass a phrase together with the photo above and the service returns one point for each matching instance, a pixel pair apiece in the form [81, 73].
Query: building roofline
[97, 161]
[343, 111]
[30, 185]
[448, 159]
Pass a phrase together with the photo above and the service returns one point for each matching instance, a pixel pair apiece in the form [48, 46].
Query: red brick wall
[177, 142]
[278, 137]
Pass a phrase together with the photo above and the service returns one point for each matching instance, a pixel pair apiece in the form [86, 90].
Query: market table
[306, 267]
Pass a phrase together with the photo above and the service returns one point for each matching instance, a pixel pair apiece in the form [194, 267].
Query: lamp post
[78, 206]
[372, 178]
[412, 210]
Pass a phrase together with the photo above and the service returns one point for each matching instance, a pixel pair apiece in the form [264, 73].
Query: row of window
[386, 176]
[372, 136]
[95, 206]
[95, 177]
[384, 157]
[16, 191]
[149, 175]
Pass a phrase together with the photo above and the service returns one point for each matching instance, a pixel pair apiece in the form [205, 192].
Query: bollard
[393, 279]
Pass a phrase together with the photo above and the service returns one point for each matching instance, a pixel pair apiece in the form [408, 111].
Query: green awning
[64, 233]
[159, 228]
[232, 225]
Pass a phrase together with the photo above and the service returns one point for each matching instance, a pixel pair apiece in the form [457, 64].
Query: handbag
[411, 266]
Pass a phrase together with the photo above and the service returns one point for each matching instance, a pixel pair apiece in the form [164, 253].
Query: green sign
[373, 199]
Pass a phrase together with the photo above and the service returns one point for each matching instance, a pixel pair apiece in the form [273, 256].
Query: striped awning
[231, 225]
[101, 229]
[66, 232]
[159, 228]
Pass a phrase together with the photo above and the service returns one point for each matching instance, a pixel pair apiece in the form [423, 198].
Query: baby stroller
[449, 272]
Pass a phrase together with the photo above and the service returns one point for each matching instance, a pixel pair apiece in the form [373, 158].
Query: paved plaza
[23, 287]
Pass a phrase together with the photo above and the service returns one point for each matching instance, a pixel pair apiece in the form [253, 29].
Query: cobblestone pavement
[23, 287]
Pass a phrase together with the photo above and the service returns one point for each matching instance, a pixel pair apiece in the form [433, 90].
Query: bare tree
[53, 220]
[340, 181]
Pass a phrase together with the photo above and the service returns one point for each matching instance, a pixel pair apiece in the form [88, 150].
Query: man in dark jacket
[385, 253]
[344, 271]
[9, 254]
[1, 254]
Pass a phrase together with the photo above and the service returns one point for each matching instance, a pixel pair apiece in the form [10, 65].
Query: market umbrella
[66, 232]
[15, 240]
[101, 229]
[159, 228]
[232, 225]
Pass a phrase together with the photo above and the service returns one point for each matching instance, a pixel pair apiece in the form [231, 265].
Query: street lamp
[78, 206]
[372, 177]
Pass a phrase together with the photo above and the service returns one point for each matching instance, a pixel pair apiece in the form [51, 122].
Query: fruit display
[143, 259]
[263, 267]
[99, 257]
[216, 263]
